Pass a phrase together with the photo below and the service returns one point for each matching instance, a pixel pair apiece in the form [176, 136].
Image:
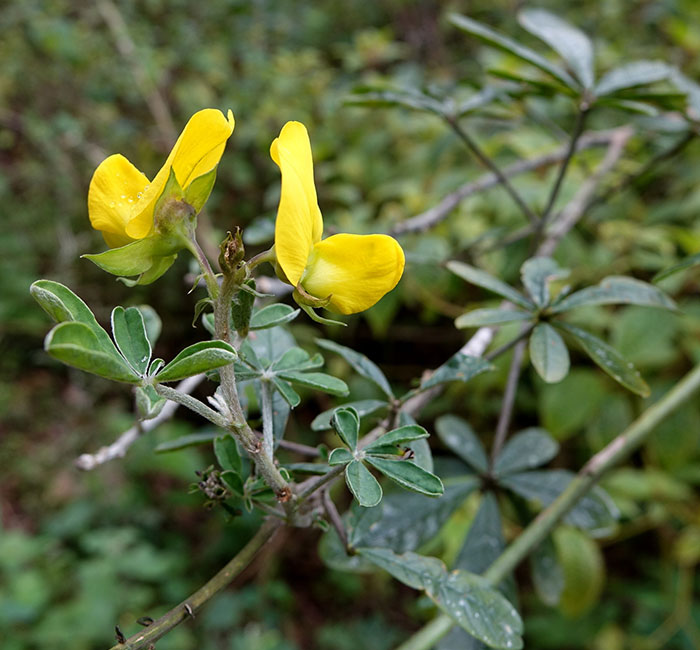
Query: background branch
[610, 456]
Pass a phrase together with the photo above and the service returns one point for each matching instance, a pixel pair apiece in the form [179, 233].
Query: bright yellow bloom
[122, 201]
[352, 271]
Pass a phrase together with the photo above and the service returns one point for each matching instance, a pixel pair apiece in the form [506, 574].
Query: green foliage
[71, 93]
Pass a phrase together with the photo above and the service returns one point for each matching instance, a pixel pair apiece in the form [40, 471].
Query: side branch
[187, 608]
[436, 214]
[121, 445]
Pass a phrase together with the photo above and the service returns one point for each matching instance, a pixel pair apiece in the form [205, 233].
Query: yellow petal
[299, 223]
[355, 270]
[114, 190]
[196, 152]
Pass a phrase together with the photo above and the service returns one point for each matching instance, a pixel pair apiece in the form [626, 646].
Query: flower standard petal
[196, 152]
[354, 270]
[299, 223]
[114, 189]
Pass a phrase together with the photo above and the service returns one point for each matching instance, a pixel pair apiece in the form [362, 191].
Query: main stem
[187, 608]
[619, 449]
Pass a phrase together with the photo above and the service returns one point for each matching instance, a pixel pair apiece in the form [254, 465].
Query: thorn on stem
[119, 635]
[145, 621]
[188, 609]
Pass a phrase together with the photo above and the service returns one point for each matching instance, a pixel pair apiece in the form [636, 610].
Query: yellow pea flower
[344, 273]
[140, 219]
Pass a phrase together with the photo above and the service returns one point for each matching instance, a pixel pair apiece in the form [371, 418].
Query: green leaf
[270, 344]
[322, 421]
[408, 475]
[340, 456]
[595, 511]
[484, 541]
[466, 598]
[285, 389]
[227, 455]
[688, 262]
[548, 353]
[631, 75]
[459, 437]
[151, 322]
[616, 290]
[159, 267]
[526, 449]
[272, 316]
[480, 317]
[200, 357]
[583, 569]
[537, 273]
[362, 484]
[76, 344]
[547, 573]
[234, 482]
[242, 308]
[568, 41]
[361, 364]
[416, 571]
[409, 519]
[505, 44]
[198, 190]
[487, 281]
[459, 367]
[59, 302]
[398, 436]
[129, 331]
[148, 402]
[346, 423]
[190, 440]
[317, 380]
[608, 359]
[297, 359]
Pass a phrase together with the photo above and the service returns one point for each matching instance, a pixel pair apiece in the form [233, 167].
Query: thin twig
[572, 212]
[508, 400]
[334, 517]
[187, 608]
[489, 164]
[298, 448]
[121, 445]
[571, 150]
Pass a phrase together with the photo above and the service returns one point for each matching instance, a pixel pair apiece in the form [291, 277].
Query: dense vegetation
[81, 552]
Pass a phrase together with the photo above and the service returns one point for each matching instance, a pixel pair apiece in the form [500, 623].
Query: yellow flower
[122, 201]
[351, 272]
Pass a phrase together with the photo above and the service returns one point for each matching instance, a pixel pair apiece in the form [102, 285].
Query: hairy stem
[614, 453]
[187, 608]
[267, 422]
[191, 403]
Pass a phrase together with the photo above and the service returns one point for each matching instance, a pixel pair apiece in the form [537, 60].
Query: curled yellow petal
[299, 223]
[196, 152]
[115, 188]
[355, 270]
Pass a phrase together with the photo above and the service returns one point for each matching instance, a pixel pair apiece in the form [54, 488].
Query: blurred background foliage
[81, 552]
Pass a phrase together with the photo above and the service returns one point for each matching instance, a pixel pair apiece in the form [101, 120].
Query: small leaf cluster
[384, 454]
[514, 469]
[295, 367]
[78, 340]
[538, 309]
